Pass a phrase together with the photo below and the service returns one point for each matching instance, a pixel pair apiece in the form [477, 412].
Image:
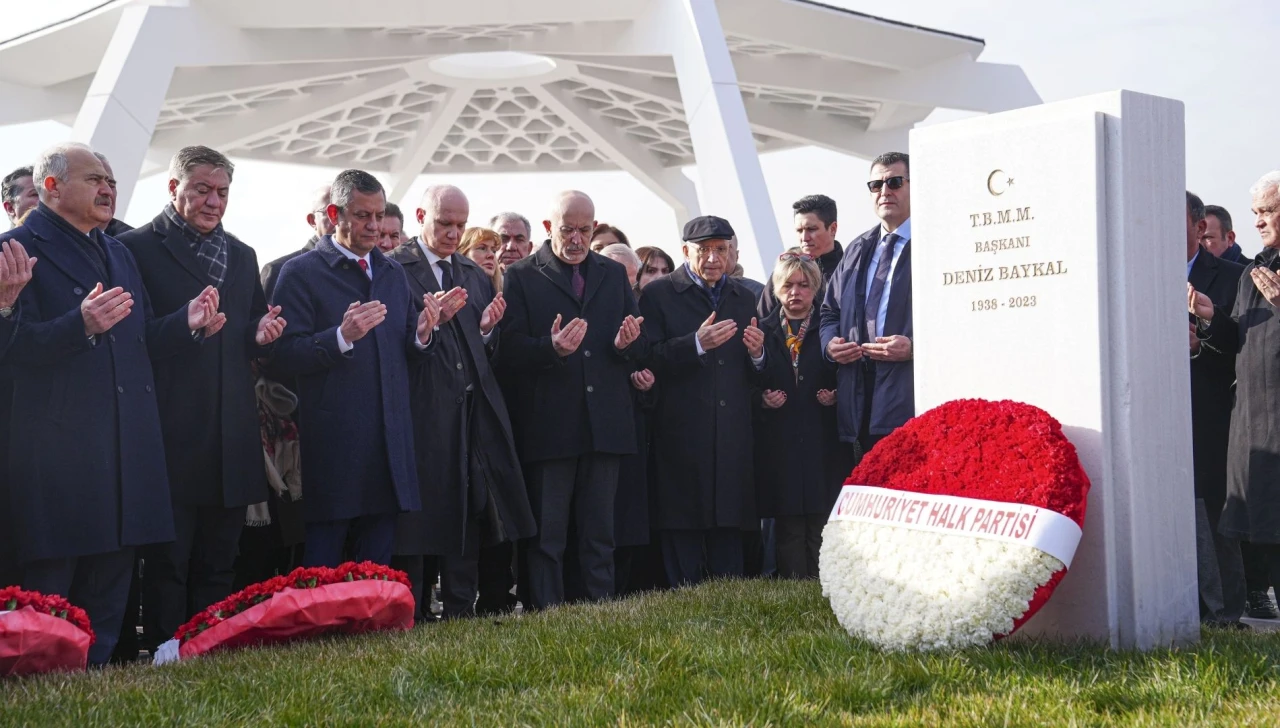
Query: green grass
[727, 653]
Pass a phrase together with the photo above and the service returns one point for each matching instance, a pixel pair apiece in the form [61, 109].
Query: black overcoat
[450, 459]
[354, 421]
[702, 469]
[207, 404]
[1213, 376]
[87, 470]
[1252, 329]
[579, 404]
[800, 461]
[270, 273]
[631, 501]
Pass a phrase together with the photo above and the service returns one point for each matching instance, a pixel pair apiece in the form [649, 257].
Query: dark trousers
[496, 579]
[587, 485]
[188, 574]
[460, 575]
[638, 568]
[372, 539]
[98, 584]
[422, 572]
[799, 539]
[689, 554]
[1260, 565]
[1219, 570]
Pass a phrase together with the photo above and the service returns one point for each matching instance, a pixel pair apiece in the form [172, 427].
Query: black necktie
[446, 280]
[876, 294]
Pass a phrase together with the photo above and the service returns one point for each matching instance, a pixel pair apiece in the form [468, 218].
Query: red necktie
[364, 265]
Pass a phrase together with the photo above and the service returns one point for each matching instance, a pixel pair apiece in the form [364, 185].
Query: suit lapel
[55, 247]
[543, 261]
[895, 317]
[1203, 270]
[176, 243]
[595, 277]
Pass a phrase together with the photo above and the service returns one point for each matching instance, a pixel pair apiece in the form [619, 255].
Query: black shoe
[1258, 605]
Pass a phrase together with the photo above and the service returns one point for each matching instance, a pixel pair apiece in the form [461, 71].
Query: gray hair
[320, 199]
[188, 158]
[351, 181]
[53, 162]
[1268, 181]
[619, 252]
[502, 217]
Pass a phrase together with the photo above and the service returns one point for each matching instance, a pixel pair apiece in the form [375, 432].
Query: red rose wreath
[41, 633]
[955, 529]
[353, 597]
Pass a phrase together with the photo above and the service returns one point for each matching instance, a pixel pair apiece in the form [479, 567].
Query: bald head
[443, 213]
[573, 218]
[317, 218]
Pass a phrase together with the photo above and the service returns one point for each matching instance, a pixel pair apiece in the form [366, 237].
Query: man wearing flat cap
[708, 354]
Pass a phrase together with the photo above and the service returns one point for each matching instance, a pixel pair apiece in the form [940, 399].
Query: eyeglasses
[796, 256]
[703, 252]
[895, 183]
[568, 231]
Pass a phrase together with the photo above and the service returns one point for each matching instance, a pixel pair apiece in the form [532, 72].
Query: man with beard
[571, 338]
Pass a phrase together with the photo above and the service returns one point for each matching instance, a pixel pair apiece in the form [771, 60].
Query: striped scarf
[211, 249]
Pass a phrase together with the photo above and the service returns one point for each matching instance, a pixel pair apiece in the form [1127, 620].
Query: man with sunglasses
[866, 314]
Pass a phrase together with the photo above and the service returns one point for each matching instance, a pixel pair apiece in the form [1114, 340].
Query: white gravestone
[1050, 270]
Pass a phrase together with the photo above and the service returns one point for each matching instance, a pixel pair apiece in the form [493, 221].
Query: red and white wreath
[955, 529]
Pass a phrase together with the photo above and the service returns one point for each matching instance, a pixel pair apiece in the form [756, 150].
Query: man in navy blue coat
[353, 332]
[866, 315]
[87, 478]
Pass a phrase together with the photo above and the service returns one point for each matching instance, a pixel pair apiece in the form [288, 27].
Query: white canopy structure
[405, 87]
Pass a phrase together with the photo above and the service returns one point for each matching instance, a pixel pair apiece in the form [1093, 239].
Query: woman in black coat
[800, 463]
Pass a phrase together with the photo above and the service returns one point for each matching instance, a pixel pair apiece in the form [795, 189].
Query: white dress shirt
[904, 234]
[438, 272]
[343, 345]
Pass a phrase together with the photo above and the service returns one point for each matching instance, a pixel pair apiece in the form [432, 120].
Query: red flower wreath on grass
[300, 578]
[972, 448]
[13, 598]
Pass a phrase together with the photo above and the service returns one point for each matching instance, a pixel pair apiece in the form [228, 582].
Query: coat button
[112, 337]
[802, 377]
[459, 400]
[141, 339]
[78, 291]
[459, 365]
[590, 388]
[587, 354]
[120, 390]
[722, 362]
[722, 403]
[148, 388]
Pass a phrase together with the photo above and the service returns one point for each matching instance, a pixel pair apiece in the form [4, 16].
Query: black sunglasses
[895, 183]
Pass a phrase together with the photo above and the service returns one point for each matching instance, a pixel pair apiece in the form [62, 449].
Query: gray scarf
[211, 249]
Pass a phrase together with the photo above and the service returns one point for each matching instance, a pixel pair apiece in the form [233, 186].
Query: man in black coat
[815, 217]
[468, 471]
[704, 493]
[353, 333]
[571, 337]
[81, 359]
[1220, 569]
[208, 410]
[866, 315]
[318, 221]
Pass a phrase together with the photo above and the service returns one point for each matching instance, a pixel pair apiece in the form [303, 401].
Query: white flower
[904, 589]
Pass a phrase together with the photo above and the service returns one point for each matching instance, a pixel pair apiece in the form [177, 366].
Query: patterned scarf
[794, 341]
[211, 249]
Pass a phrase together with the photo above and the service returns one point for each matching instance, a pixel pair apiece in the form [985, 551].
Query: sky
[1221, 62]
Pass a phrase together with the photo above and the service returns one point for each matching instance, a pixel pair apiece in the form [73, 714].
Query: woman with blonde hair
[800, 462]
[483, 247]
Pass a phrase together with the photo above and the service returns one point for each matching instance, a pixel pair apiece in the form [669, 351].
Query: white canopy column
[119, 112]
[732, 181]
